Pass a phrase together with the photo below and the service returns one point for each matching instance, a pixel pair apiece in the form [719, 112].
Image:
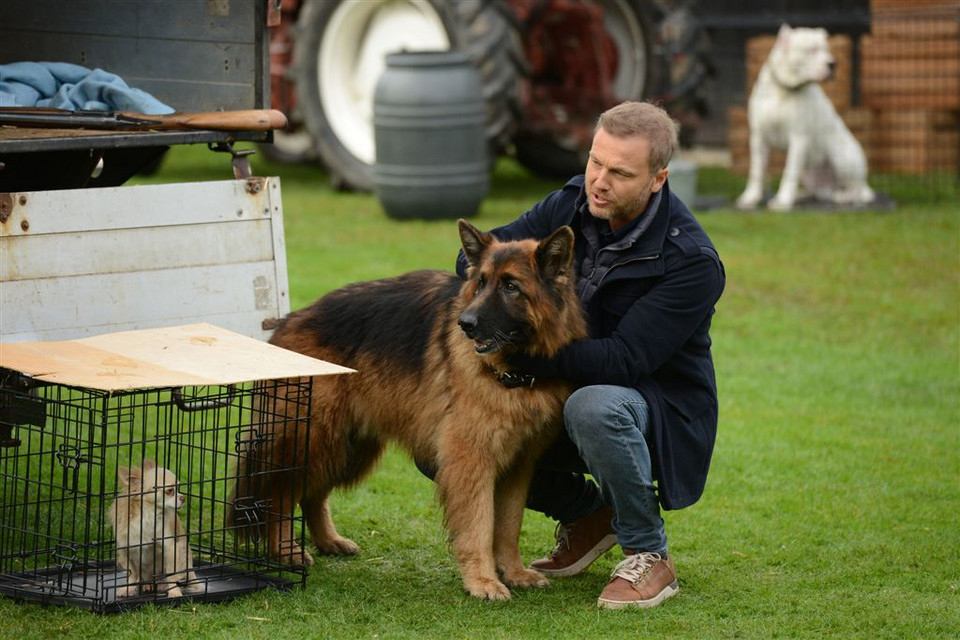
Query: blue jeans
[607, 428]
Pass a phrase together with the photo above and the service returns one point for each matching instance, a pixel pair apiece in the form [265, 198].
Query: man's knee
[604, 407]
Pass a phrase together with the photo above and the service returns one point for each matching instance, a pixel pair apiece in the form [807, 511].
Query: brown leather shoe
[641, 580]
[579, 544]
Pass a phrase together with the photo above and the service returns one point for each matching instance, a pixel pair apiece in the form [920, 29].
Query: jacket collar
[643, 238]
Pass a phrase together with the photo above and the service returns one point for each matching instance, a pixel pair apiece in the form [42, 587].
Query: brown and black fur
[427, 348]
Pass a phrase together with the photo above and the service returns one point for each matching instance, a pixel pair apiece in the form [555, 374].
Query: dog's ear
[555, 254]
[783, 36]
[474, 241]
[129, 476]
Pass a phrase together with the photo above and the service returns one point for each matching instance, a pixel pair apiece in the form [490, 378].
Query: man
[644, 418]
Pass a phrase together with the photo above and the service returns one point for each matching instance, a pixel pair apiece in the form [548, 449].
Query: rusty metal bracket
[274, 8]
[6, 206]
[255, 185]
[241, 160]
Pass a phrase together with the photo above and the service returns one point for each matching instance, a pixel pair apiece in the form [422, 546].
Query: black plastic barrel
[428, 118]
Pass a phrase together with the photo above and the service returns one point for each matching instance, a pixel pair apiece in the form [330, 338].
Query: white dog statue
[789, 111]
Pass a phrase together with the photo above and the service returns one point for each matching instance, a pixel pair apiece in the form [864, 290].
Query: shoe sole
[668, 592]
[587, 559]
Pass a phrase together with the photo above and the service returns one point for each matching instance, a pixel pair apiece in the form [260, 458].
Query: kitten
[152, 545]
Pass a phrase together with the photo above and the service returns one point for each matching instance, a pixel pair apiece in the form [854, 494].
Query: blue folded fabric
[68, 86]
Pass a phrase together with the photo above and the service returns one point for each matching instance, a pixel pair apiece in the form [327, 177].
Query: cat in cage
[152, 545]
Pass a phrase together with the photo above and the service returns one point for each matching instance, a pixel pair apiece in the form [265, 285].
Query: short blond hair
[645, 119]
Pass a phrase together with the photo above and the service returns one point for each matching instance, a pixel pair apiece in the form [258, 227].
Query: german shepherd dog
[430, 351]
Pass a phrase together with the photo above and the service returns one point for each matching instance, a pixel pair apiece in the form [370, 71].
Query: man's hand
[539, 367]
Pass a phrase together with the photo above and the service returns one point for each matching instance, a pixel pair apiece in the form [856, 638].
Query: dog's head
[519, 295]
[801, 56]
[155, 485]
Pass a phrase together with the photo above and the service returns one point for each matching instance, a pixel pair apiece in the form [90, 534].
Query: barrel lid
[427, 58]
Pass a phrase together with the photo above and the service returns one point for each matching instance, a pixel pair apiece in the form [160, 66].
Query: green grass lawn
[832, 505]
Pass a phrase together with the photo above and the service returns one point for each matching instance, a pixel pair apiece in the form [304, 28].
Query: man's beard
[626, 210]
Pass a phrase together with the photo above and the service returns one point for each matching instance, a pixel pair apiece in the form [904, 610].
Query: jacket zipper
[625, 262]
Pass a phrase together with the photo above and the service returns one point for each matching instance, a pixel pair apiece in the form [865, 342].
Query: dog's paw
[174, 592]
[126, 592]
[293, 555]
[780, 204]
[192, 585]
[749, 200]
[526, 579]
[854, 196]
[487, 589]
[337, 546]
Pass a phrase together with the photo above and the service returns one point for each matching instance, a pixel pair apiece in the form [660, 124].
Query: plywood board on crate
[838, 88]
[191, 355]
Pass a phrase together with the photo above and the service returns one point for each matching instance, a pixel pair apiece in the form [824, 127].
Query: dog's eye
[481, 283]
[170, 491]
[510, 286]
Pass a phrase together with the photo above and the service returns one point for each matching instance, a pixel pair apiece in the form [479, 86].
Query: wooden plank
[932, 28]
[945, 48]
[136, 207]
[144, 249]
[877, 71]
[97, 260]
[82, 305]
[894, 101]
[905, 9]
[918, 119]
[915, 141]
[898, 161]
[947, 86]
[932, 155]
[879, 5]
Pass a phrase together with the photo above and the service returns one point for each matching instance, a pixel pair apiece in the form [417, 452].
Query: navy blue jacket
[649, 313]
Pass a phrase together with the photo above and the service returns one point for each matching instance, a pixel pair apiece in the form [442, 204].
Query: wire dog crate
[66, 455]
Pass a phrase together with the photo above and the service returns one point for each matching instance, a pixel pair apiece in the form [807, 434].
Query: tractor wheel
[289, 147]
[339, 52]
[629, 25]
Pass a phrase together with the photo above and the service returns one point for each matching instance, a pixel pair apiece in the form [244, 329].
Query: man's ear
[658, 179]
[555, 254]
[474, 242]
